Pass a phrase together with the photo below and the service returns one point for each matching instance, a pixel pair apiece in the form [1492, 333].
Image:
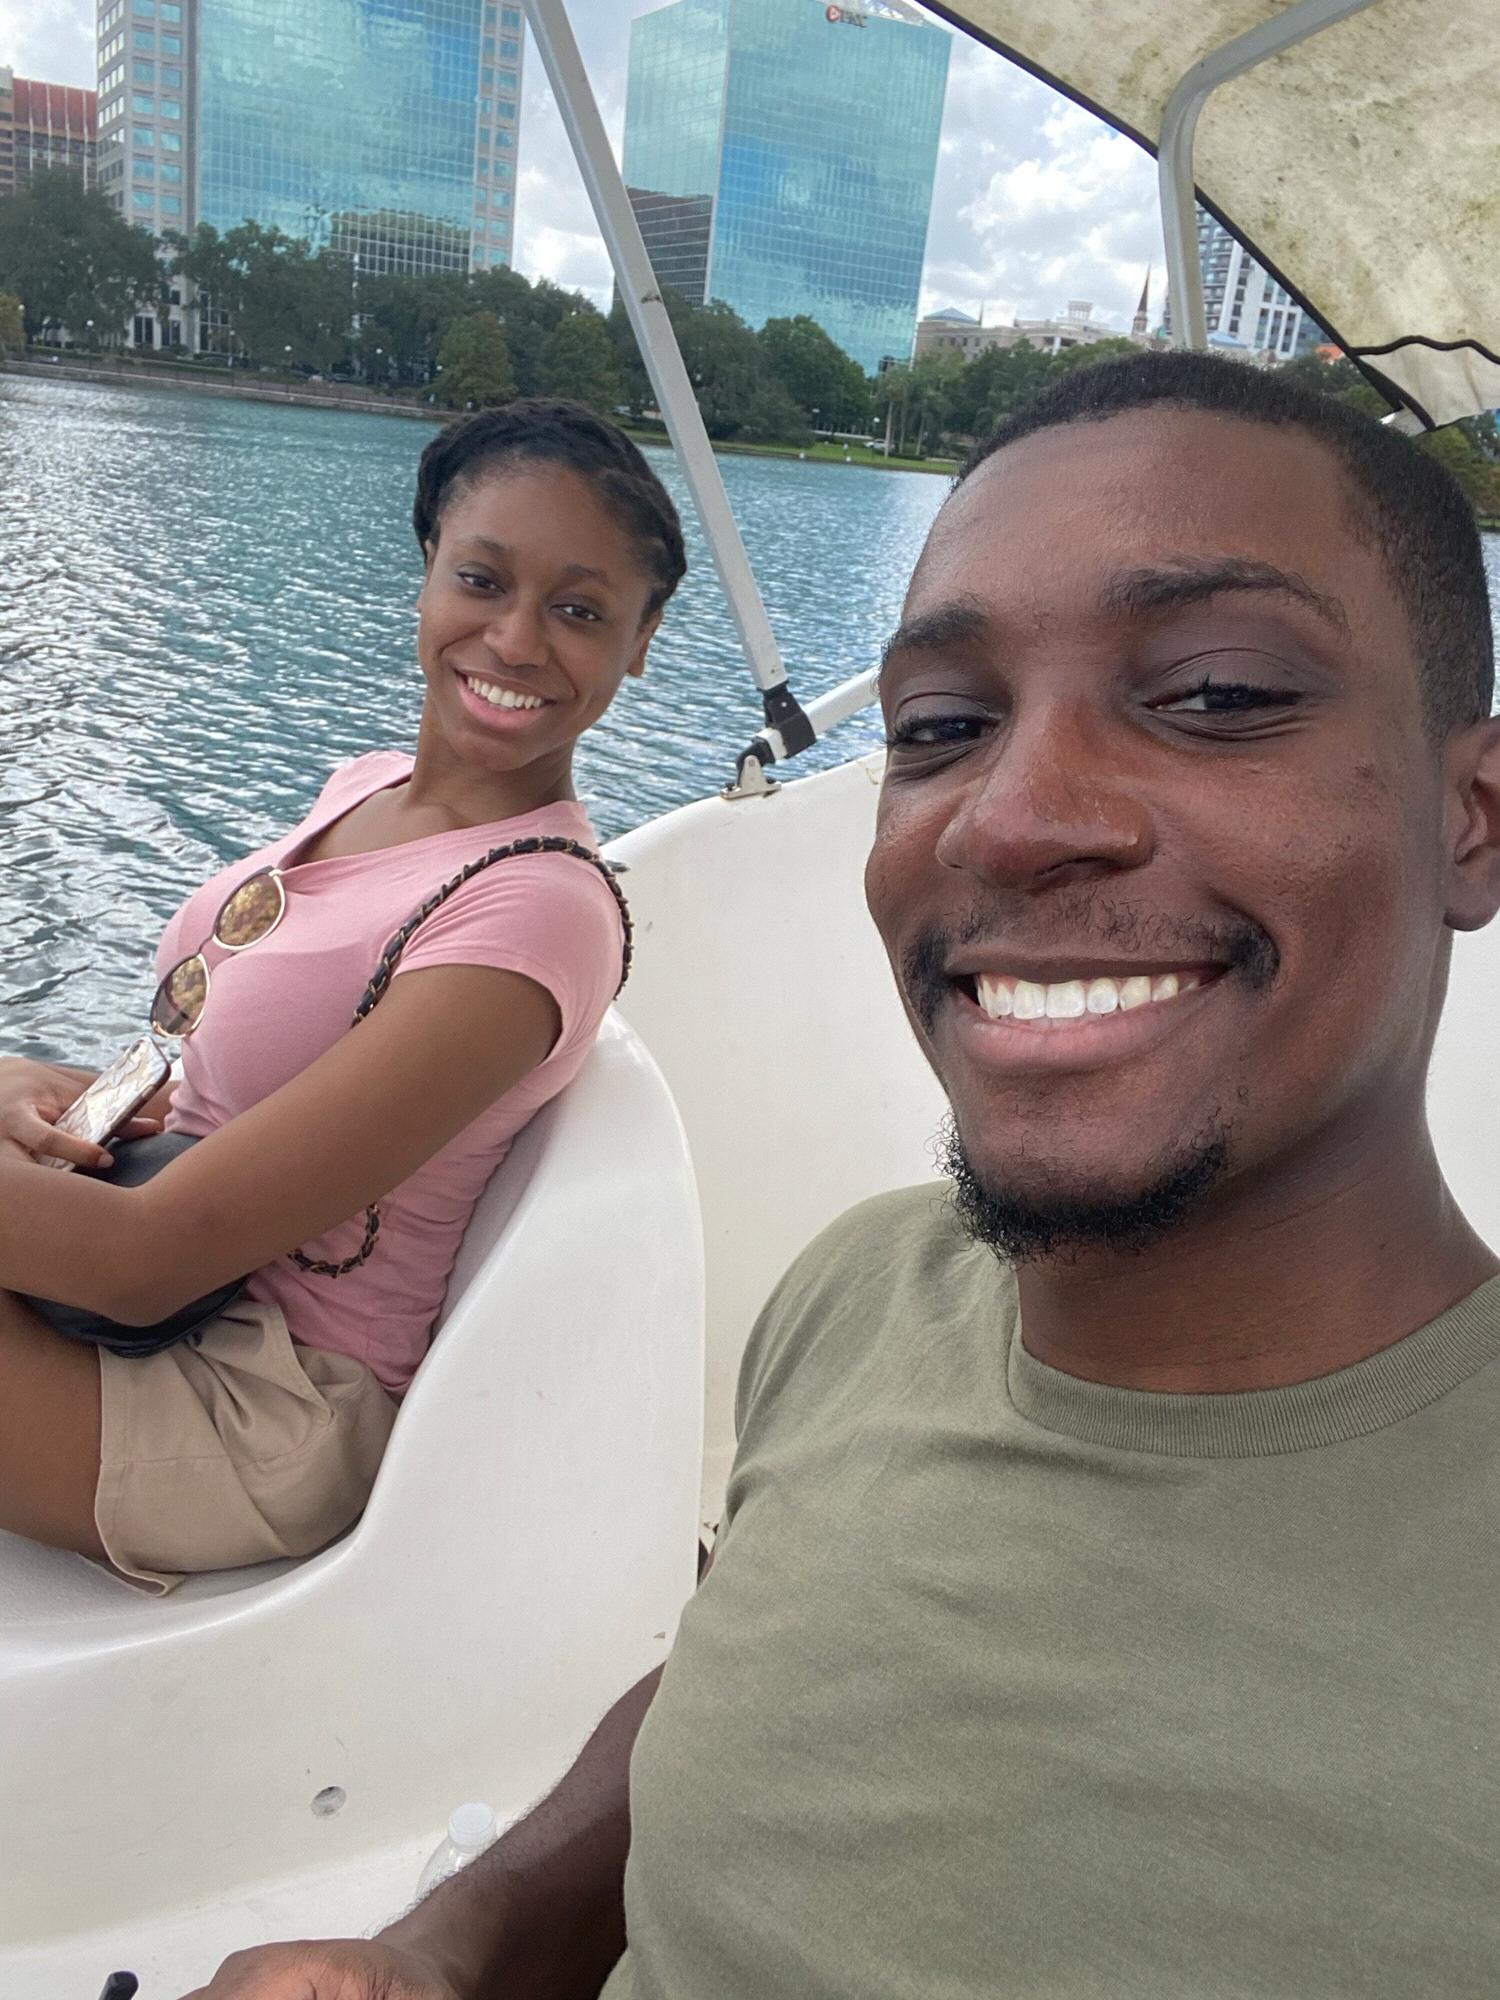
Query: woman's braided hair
[538, 430]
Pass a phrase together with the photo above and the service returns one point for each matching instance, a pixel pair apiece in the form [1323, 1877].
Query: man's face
[1160, 860]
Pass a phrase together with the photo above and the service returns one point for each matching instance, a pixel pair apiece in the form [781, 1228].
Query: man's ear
[1473, 770]
[648, 632]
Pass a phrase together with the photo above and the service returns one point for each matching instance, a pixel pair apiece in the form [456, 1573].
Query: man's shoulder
[884, 1263]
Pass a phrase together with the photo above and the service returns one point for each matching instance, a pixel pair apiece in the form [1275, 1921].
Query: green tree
[285, 303]
[12, 326]
[578, 361]
[816, 372]
[402, 321]
[474, 364]
[69, 258]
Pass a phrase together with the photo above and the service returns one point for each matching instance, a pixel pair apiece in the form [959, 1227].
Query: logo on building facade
[847, 16]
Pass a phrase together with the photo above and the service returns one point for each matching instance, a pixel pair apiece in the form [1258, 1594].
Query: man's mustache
[1086, 924]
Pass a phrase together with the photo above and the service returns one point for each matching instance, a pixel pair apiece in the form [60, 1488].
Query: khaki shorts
[239, 1447]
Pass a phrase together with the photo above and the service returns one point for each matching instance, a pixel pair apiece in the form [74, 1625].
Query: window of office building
[510, 17]
[142, 39]
[510, 51]
[171, 108]
[383, 169]
[171, 45]
[484, 138]
[143, 170]
[171, 78]
[143, 107]
[142, 200]
[143, 10]
[171, 204]
[505, 140]
[170, 171]
[145, 72]
[509, 79]
[171, 142]
[171, 13]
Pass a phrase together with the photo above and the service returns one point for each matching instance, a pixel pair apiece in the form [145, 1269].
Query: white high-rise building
[1244, 304]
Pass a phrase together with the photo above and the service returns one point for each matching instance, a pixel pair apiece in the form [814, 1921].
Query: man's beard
[1023, 1227]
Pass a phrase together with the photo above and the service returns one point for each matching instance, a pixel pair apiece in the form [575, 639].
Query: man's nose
[1053, 803]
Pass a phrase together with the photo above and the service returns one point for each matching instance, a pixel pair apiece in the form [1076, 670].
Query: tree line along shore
[272, 306]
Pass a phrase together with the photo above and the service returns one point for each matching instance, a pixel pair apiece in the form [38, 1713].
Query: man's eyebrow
[1139, 592]
[955, 624]
[571, 572]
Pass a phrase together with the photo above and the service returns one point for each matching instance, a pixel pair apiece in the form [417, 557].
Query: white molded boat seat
[522, 1561]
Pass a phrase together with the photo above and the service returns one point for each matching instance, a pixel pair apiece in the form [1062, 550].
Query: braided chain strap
[390, 958]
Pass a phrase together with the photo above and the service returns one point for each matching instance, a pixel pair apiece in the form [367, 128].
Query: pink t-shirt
[276, 1007]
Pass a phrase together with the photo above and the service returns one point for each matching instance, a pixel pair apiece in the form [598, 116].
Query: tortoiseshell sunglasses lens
[251, 913]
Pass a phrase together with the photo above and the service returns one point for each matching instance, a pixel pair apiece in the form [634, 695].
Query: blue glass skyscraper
[385, 129]
[780, 155]
[349, 122]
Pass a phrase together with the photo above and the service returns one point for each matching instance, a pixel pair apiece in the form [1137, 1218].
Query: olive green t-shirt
[1009, 1684]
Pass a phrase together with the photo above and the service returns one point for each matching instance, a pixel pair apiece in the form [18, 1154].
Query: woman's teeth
[1071, 999]
[499, 697]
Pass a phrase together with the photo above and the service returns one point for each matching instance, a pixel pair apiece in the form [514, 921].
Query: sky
[1036, 202]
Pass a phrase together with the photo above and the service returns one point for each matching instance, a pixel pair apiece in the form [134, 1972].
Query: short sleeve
[550, 917]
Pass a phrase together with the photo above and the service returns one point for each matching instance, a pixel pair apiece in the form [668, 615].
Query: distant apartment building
[44, 125]
[387, 132]
[1243, 304]
[780, 156]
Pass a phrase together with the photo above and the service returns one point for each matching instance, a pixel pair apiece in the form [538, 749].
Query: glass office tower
[348, 122]
[780, 156]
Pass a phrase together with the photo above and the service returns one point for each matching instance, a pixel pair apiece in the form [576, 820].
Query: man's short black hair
[1402, 501]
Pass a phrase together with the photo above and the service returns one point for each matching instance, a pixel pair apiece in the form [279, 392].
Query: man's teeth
[499, 697]
[1070, 999]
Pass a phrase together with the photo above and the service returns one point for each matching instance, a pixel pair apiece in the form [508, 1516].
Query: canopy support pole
[787, 727]
[1174, 154]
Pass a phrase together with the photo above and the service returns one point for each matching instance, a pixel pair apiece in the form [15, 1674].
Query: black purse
[136, 1160]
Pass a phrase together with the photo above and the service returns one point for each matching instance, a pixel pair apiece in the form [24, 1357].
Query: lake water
[205, 605]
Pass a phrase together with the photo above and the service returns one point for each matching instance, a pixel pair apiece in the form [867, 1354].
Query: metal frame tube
[653, 331]
[1174, 152]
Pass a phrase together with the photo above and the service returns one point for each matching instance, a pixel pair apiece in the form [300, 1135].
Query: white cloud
[1036, 201]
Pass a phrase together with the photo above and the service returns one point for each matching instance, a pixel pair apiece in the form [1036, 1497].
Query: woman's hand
[33, 1096]
[325, 1971]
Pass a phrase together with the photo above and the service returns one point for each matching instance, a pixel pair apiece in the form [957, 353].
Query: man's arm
[541, 1916]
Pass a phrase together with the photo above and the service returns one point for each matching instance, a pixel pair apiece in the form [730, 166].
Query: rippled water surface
[205, 605]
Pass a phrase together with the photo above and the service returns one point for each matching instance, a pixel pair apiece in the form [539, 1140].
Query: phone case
[116, 1094]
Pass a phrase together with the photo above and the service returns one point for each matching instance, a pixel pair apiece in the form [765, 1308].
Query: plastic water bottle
[471, 1829]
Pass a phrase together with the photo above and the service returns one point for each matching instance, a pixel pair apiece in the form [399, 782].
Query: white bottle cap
[472, 1827]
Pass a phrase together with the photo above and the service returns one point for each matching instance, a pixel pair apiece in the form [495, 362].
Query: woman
[551, 550]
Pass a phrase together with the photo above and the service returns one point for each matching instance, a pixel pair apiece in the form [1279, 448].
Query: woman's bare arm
[443, 1045]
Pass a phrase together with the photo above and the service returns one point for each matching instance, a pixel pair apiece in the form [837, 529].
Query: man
[1106, 1601]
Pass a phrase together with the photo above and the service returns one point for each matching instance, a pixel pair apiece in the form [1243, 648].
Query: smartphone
[114, 1097]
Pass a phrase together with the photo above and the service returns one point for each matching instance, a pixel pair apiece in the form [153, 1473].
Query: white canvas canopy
[1362, 166]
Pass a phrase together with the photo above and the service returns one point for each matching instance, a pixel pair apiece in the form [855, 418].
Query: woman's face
[532, 614]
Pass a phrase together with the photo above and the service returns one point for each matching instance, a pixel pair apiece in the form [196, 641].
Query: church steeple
[1140, 325]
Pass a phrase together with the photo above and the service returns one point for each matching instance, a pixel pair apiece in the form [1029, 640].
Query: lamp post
[89, 325]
